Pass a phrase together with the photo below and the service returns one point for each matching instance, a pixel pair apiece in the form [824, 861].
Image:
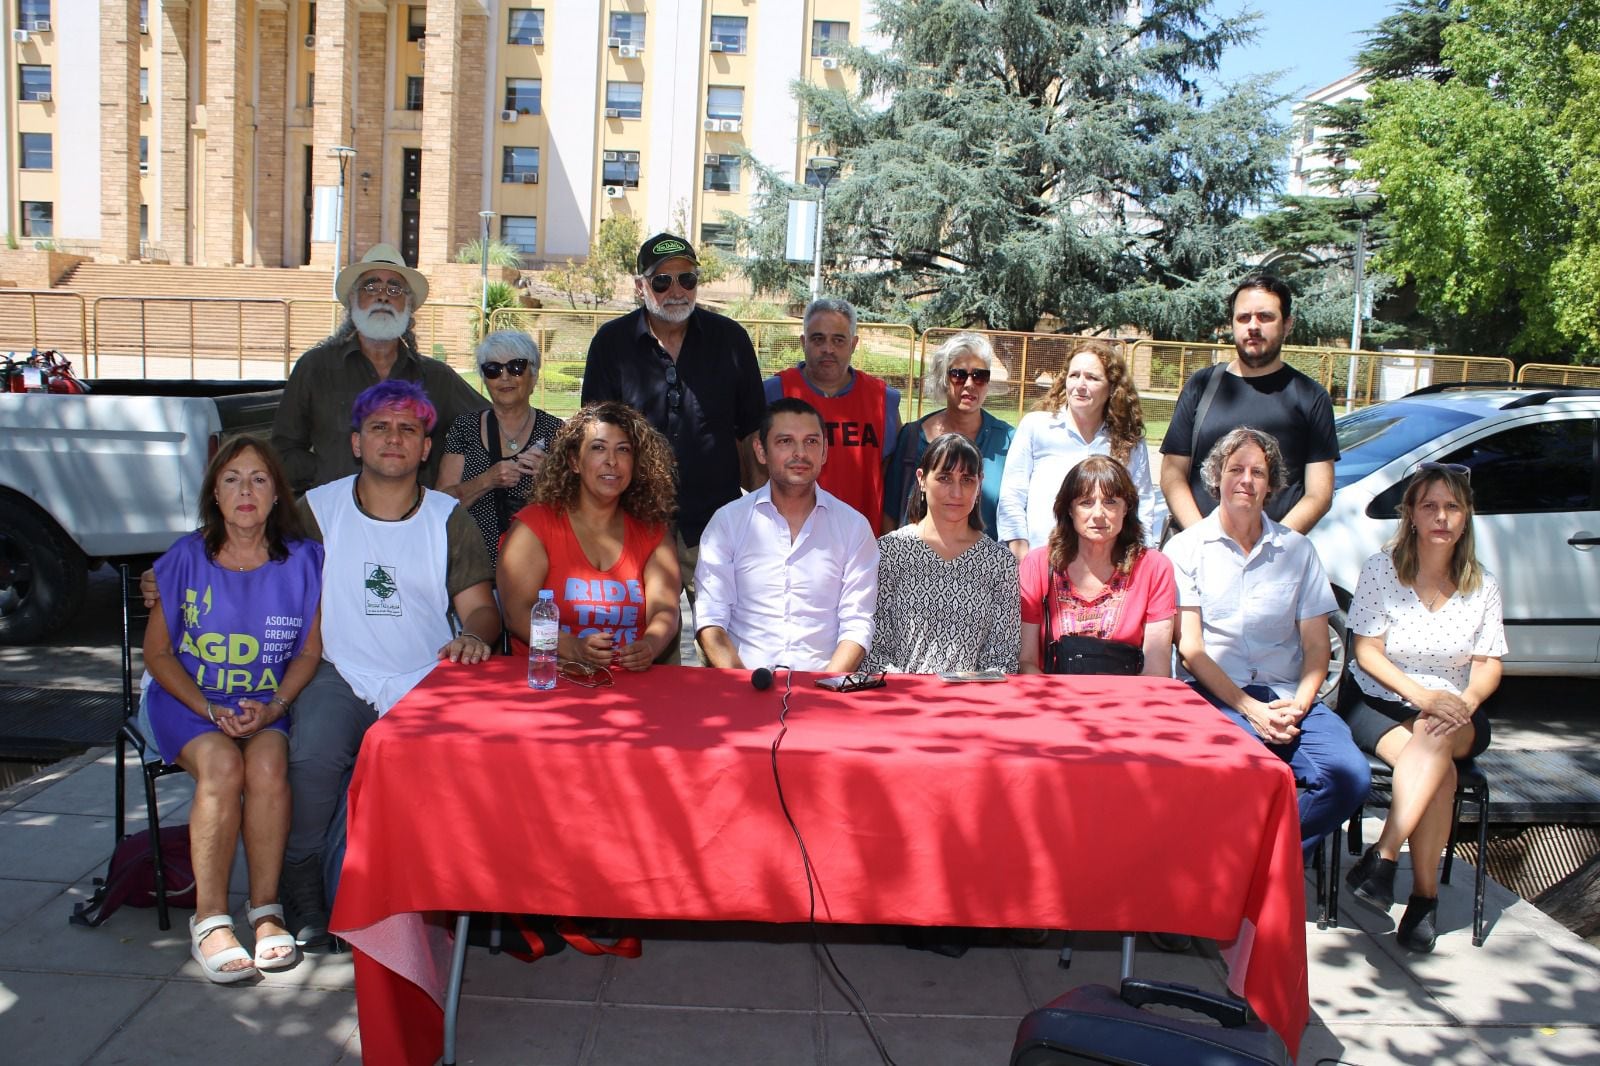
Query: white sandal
[276, 940]
[212, 966]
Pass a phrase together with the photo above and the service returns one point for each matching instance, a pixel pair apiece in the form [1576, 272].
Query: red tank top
[854, 423]
[592, 600]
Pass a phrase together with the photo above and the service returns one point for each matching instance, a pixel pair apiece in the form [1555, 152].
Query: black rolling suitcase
[1093, 1024]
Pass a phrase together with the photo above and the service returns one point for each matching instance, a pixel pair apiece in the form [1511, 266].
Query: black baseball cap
[660, 248]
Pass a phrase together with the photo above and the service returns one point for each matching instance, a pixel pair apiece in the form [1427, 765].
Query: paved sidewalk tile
[1353, 980]
[645, 1036]
[53, 847]
[496, 1032]
[892, 980]
[1518, 980]
[18, 899]
[1347, 1043]
[246, 1024]
[91, 791]
[923, 1041]
[716, 973]
[1556, 1045]
[128, 943]
[568, 976]
[63, 1018]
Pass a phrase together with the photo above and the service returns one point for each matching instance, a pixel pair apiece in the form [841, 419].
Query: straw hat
[384, 257]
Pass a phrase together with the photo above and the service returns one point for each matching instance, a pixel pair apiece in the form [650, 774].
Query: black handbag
[1071, 654]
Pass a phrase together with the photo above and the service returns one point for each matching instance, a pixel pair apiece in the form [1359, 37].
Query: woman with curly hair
[1091, 409]
[594, 534]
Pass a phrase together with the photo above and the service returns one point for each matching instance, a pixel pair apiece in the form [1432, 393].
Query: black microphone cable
[852, 995]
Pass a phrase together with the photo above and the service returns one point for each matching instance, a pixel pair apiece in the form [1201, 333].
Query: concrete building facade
[203, 131]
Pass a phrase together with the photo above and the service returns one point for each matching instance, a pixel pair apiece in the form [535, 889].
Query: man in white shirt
[788, 574]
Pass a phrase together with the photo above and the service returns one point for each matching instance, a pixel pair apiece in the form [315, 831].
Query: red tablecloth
[1074, 803]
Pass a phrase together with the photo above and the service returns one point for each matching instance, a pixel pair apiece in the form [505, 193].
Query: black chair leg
[1455, 833]
[1482, 796]
[157, 860]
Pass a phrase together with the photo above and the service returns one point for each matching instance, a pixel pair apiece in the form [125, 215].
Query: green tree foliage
[1006, 160]
[1316, 238]
[1489, 174]
[501, 254]
[617, 244]
[500, 295]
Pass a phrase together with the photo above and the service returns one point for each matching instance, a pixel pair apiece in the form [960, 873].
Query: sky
[1312, 42]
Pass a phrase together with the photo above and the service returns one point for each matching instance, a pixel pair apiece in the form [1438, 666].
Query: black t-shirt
[718, 401]
[1285, 403]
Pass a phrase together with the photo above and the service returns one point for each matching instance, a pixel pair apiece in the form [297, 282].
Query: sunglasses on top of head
[515, 367]
[687, 280]
[959, 375]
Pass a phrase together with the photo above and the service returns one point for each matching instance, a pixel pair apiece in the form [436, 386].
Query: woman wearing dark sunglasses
[491, 456]
[1428, 637]
[960, 370]
[1091, 409]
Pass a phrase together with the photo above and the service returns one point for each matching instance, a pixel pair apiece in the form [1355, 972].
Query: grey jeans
[329, 722]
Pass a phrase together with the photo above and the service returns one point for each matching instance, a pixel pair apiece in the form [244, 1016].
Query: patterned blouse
[466, 440]
[937, 614]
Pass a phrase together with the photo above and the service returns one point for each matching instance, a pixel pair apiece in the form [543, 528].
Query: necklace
[355, 487]
[513, 439]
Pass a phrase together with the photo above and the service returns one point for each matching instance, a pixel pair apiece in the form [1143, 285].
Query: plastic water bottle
[544, 624]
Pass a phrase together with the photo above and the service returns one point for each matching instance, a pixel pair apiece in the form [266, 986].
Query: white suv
[1535, 461]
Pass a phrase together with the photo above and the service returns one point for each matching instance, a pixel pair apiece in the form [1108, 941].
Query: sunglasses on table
[1463, 472]
[686, 281]
[515, 367]
[584, 675]
[959, 375]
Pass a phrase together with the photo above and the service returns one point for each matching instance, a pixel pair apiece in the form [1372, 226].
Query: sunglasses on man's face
[515, 367]
[686, 281]
[959, 375]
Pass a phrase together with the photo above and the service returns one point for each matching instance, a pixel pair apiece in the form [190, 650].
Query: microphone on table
[762, 676]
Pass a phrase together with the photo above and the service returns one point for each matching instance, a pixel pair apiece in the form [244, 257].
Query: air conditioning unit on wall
[311, 40]
[20, 36]
[613, 192]
[41, 26]
[731, 125]
[629, 51]
[508, 116]
[830, 63]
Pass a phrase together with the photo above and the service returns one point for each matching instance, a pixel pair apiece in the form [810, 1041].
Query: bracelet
[474, 636]
[211, 714]
[278, 701]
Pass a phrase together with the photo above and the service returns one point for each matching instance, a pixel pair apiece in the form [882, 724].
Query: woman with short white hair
[959, 370]
[491, 456]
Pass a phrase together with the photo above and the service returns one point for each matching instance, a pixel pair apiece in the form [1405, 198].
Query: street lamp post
[483, 275]
[824, 167]
[344, 153]
[1359, 201]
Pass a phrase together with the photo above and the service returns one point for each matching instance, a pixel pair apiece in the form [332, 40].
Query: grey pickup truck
[110, 475]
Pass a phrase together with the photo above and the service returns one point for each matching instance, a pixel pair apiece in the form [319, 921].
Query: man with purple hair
[374, 343]
[397, 559]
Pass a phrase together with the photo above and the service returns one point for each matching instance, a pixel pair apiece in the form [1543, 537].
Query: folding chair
[1471, 784]
[129, 735]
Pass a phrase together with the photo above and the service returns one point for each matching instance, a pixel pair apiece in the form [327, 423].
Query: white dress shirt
[1045, 449]
[782, 602]
[1251, 605]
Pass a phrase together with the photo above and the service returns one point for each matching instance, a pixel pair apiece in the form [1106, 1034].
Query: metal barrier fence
[44, 318]
[1555, 374]
[252, 332]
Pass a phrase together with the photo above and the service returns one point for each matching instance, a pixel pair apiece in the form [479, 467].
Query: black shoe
[1417, 931]
[1372, 880]
[1172, 943]
[300, 887]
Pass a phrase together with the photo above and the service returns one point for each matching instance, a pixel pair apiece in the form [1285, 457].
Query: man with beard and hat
[1256, 388]
[374, 343]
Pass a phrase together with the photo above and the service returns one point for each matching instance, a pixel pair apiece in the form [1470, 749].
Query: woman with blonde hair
[595, 534]
[1427, 634]
[1091, 409]
[960, 370]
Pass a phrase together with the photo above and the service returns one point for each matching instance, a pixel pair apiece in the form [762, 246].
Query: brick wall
[173, 100]
[372, 93]
[229, 119]
[119, 130]
[271, 165]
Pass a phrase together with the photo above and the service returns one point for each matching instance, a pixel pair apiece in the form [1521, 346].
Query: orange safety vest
[855, 430]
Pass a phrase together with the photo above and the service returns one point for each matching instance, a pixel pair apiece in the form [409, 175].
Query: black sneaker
[1172, 943]
[1417, 931]
[300, 888]
[1372, 880]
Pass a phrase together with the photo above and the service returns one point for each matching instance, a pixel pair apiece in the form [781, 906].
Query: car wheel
[1338, 656]
[43, 575]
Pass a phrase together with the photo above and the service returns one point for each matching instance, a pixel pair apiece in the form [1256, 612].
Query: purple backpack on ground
[131, 877]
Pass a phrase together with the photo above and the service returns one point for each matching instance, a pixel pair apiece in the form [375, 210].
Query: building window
[144, 154]
[35, 81]
[623, 170]
[627, 28]
[36, 151]
[311, 18]
[521, 232]
[413, 94]
[519, 166]
[717, 236]
[826, 37]
[730, 31]
[144, 85]
[144, 16]
[625, 99]
[724, 102]
[723, 174]
[30, 12]
[311, 90]
[523, 95]
[525, 26]
[144, 223]
[38, 218]
[416, 21]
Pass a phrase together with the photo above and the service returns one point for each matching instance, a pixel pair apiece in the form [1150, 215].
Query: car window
[1373, 436]
[1542, 467]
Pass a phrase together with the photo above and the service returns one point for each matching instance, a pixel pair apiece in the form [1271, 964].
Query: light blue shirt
[1251, 605]
[1045, 449]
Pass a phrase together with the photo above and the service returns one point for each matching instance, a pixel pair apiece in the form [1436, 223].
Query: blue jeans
[1330, 770]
